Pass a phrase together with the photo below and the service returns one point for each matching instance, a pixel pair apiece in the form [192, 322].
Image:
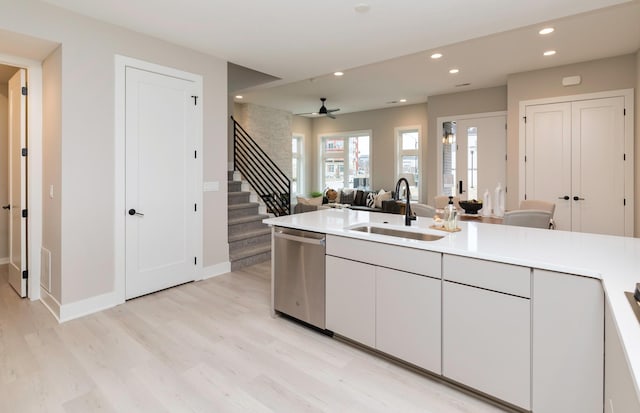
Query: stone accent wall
[271, 129]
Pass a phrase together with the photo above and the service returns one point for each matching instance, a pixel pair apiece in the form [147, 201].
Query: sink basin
[420, 236]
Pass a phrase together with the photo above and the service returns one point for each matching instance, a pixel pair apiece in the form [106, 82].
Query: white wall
[52, 166]
[4, 172]
[87, 213]
[637, 145]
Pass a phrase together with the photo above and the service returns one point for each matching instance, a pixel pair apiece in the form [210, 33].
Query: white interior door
[548, 158]
[597, 166]
[480, 155]
[17, 183]
[161, 182]
[575, 158]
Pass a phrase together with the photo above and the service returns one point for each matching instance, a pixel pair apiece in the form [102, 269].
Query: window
[345, 160]
[408, 158]
[297, 164]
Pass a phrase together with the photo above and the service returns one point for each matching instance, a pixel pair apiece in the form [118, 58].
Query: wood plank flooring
[209, 346]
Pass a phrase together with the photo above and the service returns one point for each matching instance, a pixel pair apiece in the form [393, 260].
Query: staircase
[249, 238]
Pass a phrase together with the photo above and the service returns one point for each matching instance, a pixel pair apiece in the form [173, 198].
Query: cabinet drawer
[504, 278]
[384, 255]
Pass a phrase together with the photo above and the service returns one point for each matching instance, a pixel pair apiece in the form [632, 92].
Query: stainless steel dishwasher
[299, 279]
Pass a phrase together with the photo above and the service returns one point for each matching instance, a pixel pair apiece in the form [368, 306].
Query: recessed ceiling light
[362, 7]
[546, 30]
[338, 73]
[239, 96]
[549, 53]
[436, 55]
[454, 71]
[403, 100]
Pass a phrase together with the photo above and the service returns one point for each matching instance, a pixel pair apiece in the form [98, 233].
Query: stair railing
[264, 176]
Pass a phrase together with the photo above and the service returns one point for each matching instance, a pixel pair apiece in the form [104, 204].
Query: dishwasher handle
[304, 240]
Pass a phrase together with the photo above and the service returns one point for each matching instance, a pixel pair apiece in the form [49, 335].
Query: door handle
[460, 190]
[8, 206]
[566, 197]
[577, 198]
[133, 212]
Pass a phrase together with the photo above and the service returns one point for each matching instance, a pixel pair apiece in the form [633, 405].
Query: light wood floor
[210, 346]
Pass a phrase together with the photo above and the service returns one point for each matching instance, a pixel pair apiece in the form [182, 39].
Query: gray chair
[541, 205]
[533, 218]
[423, 210]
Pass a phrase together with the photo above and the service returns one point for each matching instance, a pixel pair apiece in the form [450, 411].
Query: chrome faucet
[408, 216]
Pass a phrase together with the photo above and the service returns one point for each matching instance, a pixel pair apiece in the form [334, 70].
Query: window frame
[399, 153]
[299, 156]
[344, 136]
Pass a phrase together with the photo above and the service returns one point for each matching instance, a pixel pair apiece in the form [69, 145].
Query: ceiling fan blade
[306, 113]
[333, 110]
[329, 115]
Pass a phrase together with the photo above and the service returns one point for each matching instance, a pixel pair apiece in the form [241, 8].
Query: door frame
[629, 192]
[440, 120]
[34, 168]
[121, 63]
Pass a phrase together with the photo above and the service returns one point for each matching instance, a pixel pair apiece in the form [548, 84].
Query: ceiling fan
[322, 111]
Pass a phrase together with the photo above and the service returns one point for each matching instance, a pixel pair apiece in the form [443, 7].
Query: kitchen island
[497, 284]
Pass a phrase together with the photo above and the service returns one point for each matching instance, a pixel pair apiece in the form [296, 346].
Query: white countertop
[614, 260]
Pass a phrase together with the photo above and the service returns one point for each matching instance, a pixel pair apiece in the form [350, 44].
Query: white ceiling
[296, 40]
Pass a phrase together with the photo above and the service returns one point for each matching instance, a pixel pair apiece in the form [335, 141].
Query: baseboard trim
[88, 306]
[67, 312]
[4, 260]
[50, 303]
[215, 270]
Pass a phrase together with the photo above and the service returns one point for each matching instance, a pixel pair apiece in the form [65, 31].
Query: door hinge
[195, 154]
[195, 100]
[25, 151]
[195, 260]
[624, 202]
[525, 197]
[25, 274]
[525, 119]
[525, 158]
[24, 91]
[195, 207]
[24, 213]
[624, 156]
[624, 112]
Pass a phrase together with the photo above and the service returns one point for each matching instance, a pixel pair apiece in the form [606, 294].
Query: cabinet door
[568, 343]
[350, 299]
[408, 317]
[486, 340]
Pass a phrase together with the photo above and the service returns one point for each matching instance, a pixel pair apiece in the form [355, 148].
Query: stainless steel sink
[421, 236]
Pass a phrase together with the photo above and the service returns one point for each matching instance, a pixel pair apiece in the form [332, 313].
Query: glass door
[474, 156]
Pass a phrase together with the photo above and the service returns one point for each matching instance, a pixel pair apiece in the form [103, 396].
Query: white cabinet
[396, 312]
[350, 299]
[408, 317]
[486, 335]
[568, 343]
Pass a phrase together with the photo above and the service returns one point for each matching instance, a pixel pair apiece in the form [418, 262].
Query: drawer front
[384, 255]
[504, 278]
